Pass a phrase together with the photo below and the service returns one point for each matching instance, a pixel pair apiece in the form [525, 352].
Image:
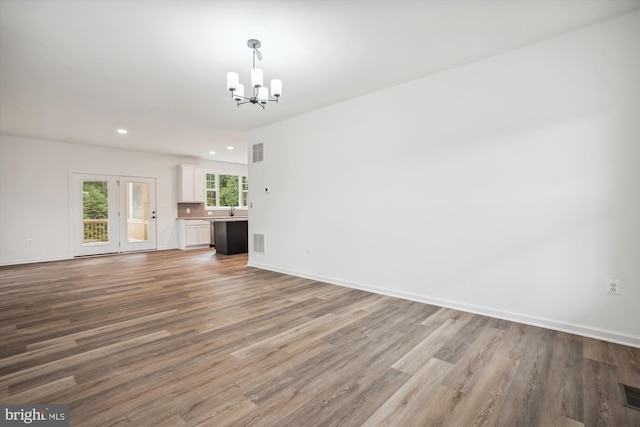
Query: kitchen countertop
[216, 218]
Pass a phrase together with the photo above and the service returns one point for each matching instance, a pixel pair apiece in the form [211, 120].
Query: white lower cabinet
[193, 233]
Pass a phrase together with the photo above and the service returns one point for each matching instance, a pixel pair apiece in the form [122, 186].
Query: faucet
[231, 212]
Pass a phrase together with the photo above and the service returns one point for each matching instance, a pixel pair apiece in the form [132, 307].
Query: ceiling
[77, 71]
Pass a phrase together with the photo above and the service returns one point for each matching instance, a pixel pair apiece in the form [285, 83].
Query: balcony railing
[97, 230]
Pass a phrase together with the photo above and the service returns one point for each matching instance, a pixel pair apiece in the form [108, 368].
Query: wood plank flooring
[191, 338]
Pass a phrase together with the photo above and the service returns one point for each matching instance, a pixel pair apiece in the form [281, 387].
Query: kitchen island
[231, 235]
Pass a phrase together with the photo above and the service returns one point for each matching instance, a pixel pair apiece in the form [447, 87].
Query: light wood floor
[178, 338]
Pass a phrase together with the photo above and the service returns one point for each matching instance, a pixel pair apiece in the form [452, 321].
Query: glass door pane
[95, 212]
[137, 208]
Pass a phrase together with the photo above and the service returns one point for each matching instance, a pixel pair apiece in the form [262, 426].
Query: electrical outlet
[308, 250]
[613, 286]
[188, 210]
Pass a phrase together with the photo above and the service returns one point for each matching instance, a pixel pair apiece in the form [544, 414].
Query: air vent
[630, 396]
[258, 152]
[258, 243]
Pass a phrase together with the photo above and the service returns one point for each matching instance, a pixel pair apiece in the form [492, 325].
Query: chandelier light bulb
[239, 93]
[232, 81]
[263, 95]
[276, 87]
[256, 77]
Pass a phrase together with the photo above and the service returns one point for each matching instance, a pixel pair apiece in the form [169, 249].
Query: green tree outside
[94, 200]
[229, 190]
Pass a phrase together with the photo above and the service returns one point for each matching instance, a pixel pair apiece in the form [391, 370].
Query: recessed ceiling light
[122, 131]
[212, 152]
[229, 148]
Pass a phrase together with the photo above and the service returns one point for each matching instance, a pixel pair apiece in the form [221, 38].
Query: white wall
[508, 187]
[34, 192]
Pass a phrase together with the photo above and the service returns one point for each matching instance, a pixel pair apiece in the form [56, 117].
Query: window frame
[242, 179]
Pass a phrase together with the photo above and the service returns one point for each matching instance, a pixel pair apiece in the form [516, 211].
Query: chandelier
[259, 93]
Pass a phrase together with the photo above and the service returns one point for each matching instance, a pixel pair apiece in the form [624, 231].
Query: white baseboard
[34, 260]
[62, 258]
[572, 328]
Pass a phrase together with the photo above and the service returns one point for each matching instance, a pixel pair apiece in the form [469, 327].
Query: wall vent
[630, 396]
[258, 243]
[258, 152]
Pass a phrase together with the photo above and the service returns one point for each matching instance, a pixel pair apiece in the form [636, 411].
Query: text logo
[34, 415]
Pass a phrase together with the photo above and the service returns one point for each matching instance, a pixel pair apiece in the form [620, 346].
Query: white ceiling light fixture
[122, 131]
[259, 93]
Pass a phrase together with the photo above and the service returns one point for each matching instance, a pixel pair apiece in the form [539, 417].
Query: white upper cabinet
[199, 183]
[191, 184]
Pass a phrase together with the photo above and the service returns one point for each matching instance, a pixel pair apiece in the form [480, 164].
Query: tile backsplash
[198, 211]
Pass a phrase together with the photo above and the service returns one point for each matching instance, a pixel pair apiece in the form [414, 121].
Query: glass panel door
[94, 214]
[111, 214]
[138, 213]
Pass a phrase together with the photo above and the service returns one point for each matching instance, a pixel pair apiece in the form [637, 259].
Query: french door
[112, 214]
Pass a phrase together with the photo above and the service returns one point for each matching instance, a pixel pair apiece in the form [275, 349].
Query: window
[228, 190]
[211, 190]
[245, 191]
[224, 191]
